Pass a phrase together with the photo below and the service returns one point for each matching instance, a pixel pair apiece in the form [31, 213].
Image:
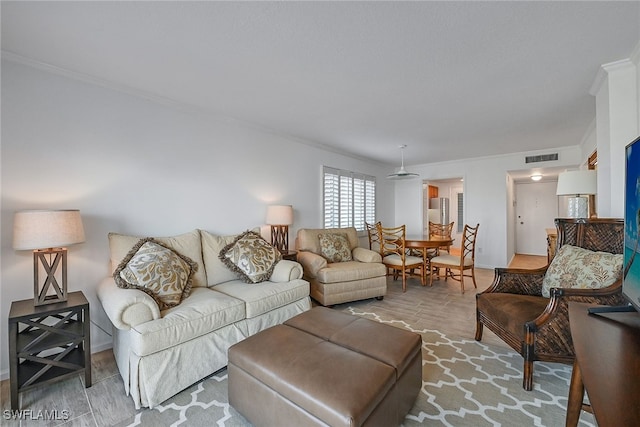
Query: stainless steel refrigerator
[439, 210]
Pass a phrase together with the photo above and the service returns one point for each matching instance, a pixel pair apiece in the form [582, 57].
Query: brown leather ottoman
[325, 367]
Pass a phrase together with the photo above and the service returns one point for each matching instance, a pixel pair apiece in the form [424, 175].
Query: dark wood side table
[290, 255]
[48, 343]
[607, 365]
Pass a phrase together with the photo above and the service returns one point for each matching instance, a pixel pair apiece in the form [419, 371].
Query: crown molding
[605, 70]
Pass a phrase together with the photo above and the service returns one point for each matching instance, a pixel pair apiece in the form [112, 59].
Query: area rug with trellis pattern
[464, 383]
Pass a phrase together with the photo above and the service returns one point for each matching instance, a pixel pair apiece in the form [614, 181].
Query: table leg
[576, 396]
[13, 364]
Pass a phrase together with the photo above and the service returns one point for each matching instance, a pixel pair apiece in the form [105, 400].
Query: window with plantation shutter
[349, 198]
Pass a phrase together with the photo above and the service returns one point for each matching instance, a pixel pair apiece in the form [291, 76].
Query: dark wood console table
[607, 365]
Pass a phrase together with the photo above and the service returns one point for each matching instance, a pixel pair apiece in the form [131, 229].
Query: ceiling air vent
[541, 158]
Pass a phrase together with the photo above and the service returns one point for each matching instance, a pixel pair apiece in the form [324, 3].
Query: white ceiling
[449, 79]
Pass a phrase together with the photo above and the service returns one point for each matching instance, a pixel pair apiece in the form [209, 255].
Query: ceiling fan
[402, 173]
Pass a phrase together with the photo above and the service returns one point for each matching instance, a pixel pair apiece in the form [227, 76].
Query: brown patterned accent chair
[535, 326]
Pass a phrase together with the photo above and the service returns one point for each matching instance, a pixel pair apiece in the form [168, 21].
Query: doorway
[451, 189]
[536, 208]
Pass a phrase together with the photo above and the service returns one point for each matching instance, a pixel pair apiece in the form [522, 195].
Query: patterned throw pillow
[252, 257]
[579, 268]
[335, 247]
[157, 270]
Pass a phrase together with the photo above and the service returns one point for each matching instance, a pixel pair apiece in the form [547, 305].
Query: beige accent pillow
[157, 270]
[335, 247]
[212, 244]
[579, 268]
[252, 257]
[187, 244]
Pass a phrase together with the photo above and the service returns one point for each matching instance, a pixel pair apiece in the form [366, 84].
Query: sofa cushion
[187, 244]
[350, 270]
[579, 268]
[335, 247]
[252, 257]
[205, 310]
[158, 271]
[265, 296]
[212, 244]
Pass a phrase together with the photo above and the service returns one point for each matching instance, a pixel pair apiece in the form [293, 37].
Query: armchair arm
[366, 255]
[311, 263]
[552, 326]
[126, 308]
[517, 281]
[286, 271]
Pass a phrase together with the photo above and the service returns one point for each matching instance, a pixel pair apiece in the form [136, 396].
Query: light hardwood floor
[441, 307]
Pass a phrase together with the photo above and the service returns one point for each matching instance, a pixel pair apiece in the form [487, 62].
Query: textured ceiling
[448, 79]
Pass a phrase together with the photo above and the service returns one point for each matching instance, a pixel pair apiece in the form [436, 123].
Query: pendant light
[402, 173]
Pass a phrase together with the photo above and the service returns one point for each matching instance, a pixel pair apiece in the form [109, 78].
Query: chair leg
[479, 330]
[462, 281]
[473, 277]
[527, 380]
[404, 281]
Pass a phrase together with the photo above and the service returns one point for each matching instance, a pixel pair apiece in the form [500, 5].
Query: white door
[536, 208]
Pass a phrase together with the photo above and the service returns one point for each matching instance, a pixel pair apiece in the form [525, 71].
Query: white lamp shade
[279, 215]
[572, 183]
[42, 229]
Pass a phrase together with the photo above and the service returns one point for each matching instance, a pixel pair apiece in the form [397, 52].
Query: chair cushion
[396, 260]
[451, 260]
[205, 310]
[158, 271]
[579, 268]
[511, 311]
[260, 298]
[335, 247]
[350, 270]
[307, 238]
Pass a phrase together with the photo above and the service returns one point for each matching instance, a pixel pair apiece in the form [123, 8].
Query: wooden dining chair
[442, 231]
[462, 262]
[394, 254]
[374, 235]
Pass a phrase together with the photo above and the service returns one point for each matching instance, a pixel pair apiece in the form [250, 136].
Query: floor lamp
[48, 233]
[577, 184]
[280, 217]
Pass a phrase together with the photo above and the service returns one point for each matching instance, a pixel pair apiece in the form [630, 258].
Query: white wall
[135, 166]
[617, 95]
[487, 197]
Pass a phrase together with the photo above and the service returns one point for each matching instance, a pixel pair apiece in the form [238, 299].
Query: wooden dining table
[424, 243]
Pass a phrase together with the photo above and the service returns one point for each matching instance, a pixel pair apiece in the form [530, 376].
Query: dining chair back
[460, 263]
[440, 231]
[373, 232]
[394, 255]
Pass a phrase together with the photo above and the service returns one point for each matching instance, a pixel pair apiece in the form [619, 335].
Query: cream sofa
[159, 353]
[339, 282]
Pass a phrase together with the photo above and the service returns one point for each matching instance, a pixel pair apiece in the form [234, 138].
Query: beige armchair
[337, 268]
